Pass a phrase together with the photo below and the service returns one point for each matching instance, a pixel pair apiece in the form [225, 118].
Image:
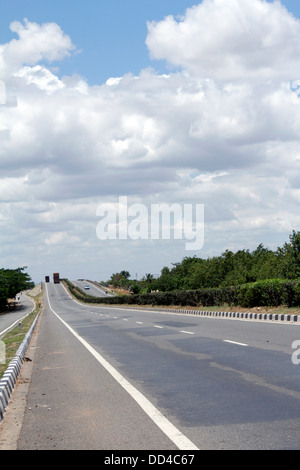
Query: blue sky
[110, 34]
[203, 112]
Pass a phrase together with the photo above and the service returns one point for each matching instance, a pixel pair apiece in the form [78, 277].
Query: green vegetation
[259, 278]
[14, 338]
[13, 281]
[274, 292]
[228, 269]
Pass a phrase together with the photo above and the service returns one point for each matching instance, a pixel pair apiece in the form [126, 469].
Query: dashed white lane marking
[155, 326]
[234, 342]
[179, 439]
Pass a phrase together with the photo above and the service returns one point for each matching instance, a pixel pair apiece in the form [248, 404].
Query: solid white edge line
[179, 439]
[234, 342]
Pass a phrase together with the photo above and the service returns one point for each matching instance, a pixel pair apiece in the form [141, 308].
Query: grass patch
[14, 338]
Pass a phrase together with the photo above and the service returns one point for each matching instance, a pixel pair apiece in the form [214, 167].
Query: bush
[135, 289]
[199, 297]
[271, 293]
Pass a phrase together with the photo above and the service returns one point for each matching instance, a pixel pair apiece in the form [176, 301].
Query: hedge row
[271, 292]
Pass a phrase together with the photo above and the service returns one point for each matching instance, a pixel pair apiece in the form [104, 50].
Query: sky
[163, 102]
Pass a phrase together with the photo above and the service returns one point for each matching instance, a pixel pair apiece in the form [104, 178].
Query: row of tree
[13, 281]
[228, 269]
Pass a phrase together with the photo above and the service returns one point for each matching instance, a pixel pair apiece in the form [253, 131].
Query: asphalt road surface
[93, 288]
[121, 378]
[24, 306]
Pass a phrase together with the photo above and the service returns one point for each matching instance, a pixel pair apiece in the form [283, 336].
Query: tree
[135, 289]
[226, 270]
[13, 281]
[125, 274]
[166, 281]
[291, 252]
[265, 264]
[120, 279]
[149, 277]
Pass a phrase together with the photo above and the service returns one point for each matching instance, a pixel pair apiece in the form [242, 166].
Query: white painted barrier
[9, 378]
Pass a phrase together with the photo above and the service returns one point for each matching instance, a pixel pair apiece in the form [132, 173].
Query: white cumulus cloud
[220, 129]
[36, 43]
[230, 39]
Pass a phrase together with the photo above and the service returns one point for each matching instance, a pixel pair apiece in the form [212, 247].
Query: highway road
[9, 319]
[121, 378]
[93, 288]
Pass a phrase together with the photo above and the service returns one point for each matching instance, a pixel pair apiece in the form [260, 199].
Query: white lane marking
[125, 319]
[139, 322]
[234, 342]
[187, 332]
[157, 326]
[179, 439]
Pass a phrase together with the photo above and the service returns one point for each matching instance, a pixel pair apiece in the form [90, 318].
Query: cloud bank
[230, 40]
[220, 129]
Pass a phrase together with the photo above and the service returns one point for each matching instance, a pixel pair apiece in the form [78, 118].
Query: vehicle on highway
[87, 287]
